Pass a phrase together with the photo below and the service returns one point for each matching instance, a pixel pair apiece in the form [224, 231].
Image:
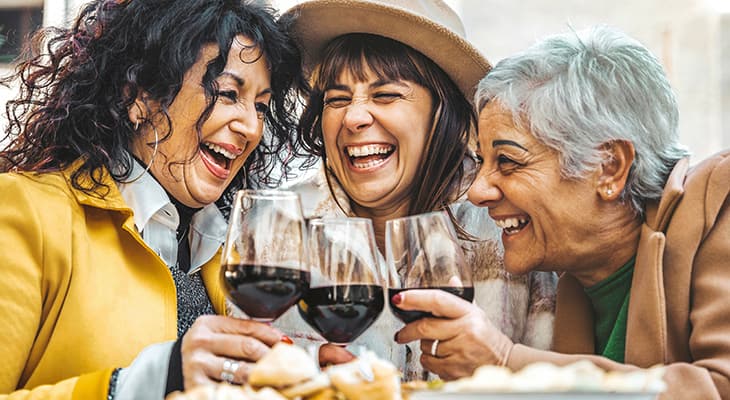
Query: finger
[237, 346]
[448, 368]
[197, 367]
[332, 354]
[437, 302]
[239, 370]
[429, 328]
[261, 331]
[427, 347]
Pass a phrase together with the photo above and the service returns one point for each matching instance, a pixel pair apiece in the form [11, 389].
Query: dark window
[16, 26]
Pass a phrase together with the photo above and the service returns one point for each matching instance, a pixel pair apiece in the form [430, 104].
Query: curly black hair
[76, 84]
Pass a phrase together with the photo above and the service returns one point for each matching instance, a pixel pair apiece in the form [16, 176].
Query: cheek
[330, 123]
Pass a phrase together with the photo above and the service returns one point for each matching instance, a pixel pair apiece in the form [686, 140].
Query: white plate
[435, 394]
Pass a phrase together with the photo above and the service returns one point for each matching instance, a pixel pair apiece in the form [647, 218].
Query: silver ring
[434, 347]
[229, 370]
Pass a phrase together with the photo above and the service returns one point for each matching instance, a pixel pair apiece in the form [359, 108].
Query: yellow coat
[80, 291]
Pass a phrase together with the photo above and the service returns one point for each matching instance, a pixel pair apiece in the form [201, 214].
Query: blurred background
[690, 37]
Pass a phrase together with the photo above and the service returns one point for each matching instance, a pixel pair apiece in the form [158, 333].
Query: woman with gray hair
[583, 171]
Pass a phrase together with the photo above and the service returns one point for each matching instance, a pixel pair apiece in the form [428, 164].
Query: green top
[610, 299]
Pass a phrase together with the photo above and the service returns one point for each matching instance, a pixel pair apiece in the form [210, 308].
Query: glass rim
[417, 216]
[339, 220]
[268, 194]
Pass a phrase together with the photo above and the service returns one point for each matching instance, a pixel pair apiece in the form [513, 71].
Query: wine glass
[422, 252]
[346, 292]
[263, 267]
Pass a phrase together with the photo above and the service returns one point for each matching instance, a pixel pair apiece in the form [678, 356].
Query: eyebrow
[496, 143]
[242, 82]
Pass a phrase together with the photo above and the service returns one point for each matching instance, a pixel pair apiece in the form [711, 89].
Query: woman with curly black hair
[126, 130]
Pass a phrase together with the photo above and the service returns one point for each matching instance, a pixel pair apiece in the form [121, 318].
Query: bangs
[357, 54]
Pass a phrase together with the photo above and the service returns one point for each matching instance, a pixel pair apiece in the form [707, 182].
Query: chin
[516, 268]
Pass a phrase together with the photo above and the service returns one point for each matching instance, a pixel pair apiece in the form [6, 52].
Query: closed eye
[507, 164]
[387, 97]
[229, 95]
[262, 109]
[337, 101]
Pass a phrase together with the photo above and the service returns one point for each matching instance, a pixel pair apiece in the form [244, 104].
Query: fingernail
[396, 299]
[286, 339]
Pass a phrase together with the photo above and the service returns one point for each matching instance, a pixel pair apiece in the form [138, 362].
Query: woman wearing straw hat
[389, 115]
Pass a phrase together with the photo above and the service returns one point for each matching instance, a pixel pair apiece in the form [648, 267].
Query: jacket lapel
[210, 272]
[574, 332]
[646, 329]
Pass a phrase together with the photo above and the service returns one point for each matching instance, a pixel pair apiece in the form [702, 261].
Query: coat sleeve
[23, 289]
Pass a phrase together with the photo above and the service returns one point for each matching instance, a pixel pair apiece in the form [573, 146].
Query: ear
[619, 157]
[138, 112]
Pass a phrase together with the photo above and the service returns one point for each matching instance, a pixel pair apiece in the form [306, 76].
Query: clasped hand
[466, 337]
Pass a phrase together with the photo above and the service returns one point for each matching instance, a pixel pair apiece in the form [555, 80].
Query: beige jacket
[679, 312]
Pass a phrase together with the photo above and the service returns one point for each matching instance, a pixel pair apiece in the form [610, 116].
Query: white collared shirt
[156, 218]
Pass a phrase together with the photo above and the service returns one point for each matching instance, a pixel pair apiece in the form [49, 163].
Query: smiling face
[548, 222]
[375, 133]
[196, 170]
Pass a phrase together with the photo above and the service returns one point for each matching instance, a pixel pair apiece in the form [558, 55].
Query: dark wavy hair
[77, 84]
[442, 170]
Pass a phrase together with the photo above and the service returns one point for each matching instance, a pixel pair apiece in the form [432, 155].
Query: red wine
[341, 313]
[263, 292]
[466, 293]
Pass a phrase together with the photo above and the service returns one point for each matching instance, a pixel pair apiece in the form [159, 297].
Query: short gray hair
[578, 90]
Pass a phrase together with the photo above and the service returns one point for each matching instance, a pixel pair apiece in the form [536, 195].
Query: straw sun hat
[429, 26]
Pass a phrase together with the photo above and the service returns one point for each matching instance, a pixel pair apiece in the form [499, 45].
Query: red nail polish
[396, 299]
[286, 339]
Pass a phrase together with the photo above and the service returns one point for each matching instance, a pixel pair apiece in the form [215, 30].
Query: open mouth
[217, 155]
[370, 155]
[514, 225]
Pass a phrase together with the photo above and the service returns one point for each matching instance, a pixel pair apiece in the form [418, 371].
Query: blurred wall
[690, 37]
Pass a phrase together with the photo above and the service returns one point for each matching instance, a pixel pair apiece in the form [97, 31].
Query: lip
[213, 168]
[233, 149]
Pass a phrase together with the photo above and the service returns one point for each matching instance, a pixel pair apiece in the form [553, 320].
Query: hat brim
[314, 24]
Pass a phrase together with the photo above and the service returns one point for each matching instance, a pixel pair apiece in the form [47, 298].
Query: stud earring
[609, 192]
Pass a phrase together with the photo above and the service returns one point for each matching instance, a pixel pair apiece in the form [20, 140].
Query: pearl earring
[609, 192]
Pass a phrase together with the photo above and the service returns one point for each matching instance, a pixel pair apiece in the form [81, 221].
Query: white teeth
[511, 223]
[367, 164]
[368, 150]
[220, 150]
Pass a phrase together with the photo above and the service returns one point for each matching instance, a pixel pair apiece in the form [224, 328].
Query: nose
[245, 122]
[483, 192]
[358, 116]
